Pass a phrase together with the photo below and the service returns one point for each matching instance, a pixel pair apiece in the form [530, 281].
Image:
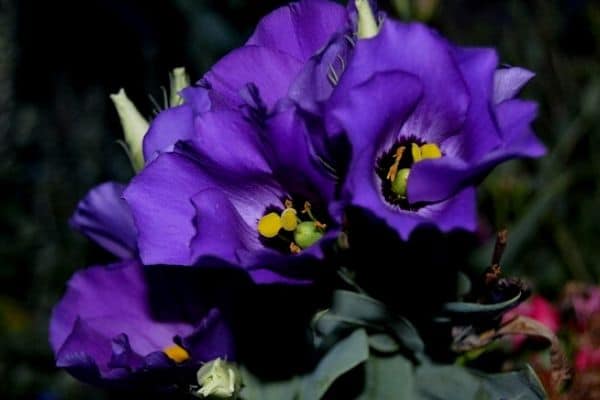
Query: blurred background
[60, 60]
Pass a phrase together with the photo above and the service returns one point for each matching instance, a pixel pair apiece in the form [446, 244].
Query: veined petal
[300, 29]
[269, 69]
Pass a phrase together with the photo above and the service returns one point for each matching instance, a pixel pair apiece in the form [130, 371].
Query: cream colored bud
[179, 80]
[134, 127]
[218, 379]
[367, 23]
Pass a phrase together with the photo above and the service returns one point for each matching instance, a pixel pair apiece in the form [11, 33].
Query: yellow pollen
[416, 152]
[176, 353]
[430, 151]
[269, 225]
[289, 219]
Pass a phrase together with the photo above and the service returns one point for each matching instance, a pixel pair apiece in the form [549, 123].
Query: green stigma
[400, 181]
[307, 233]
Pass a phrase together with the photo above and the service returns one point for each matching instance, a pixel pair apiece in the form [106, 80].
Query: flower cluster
[258, 169]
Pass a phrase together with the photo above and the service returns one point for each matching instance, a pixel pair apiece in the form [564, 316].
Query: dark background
[59, 61]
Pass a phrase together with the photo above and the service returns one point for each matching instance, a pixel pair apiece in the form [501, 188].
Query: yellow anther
[289, 219]
[176, 353]
[391, 175]
[416, 152]
[269, 225]
[430, 151]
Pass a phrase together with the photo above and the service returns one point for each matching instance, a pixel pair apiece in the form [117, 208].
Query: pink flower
[539, 309]
[587, 358]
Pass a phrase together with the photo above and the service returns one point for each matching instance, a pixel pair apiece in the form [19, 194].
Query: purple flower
[242, 193]
[106, 329]
[424, 122]
[121, 322]
[271, 59]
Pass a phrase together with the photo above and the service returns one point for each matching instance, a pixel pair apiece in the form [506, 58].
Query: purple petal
[160, 198]
[220, 230]
[370, 113]
[231, 142]
[451, 174]
[479, 134]
[509, 81]
[211, 339]
[104, 217]
[458, 212]
[105, 327]
[515, 118]
[118, 291]
[313, 86]
[170, 126]
[300, 29]
[418, 50]
[270, 70]
[294, 160]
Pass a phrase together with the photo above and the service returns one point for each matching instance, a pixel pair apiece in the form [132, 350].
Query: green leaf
[457, 383]
[343, 357]
[470, 312]
[388, 378]
[516, 385]
[256, 389]
[350, 311]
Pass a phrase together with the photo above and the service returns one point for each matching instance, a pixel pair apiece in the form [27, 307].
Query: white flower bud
[179, 80]
[367, 23]
[134, 127]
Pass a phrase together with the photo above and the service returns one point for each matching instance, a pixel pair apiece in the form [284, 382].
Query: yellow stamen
[294, 248]
[176, 353]
[430, 151]
[269, 225]
[416, 152]
[391, 175]
[320, 225]
[289, 219]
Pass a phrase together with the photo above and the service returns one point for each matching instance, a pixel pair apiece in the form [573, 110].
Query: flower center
[393, 168]
[290, 230]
